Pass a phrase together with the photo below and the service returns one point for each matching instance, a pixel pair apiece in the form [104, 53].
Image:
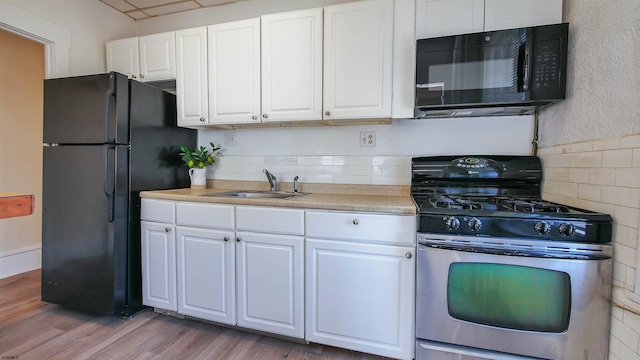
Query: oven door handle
[508, 251]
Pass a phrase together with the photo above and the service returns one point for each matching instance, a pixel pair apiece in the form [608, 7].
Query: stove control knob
[566, 229]
[542, 227]
[451, 223]
[474, 224]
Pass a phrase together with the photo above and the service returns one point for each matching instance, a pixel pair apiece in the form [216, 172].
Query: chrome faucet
[272, 180]
[295, 184]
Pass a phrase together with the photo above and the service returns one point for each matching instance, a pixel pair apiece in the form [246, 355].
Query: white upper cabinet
[447, 17]
[145, 58]
[451, 17]
[158, 56]
[292, 65]
[191, 77]
[358, 44]
[234, 72]
[122, 56]
[507, 14]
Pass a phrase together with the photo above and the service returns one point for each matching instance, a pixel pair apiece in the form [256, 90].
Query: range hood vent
[478, 111]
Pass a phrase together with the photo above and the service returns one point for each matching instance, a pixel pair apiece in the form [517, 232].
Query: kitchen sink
[257, 194]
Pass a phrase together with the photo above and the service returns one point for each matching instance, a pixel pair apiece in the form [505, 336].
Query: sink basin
[257, 194]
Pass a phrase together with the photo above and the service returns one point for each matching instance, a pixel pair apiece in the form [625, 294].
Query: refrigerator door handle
[107, 189]
[107, 102]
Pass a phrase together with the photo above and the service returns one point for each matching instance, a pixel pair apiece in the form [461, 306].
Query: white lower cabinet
[270, 269]
[360, 280]
[270, 280]
[158, 246]
[360, 297]
[206, 274]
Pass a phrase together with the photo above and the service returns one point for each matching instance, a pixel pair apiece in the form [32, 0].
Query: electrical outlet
[230, 139]
[368, 139]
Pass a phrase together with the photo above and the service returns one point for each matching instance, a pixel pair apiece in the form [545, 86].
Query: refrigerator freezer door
[91, 109]
[84, 227]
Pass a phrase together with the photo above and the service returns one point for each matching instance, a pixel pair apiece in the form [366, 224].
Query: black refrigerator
[105, 139]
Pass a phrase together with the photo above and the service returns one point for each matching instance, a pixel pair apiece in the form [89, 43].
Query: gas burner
[528, 205]
[453, 202]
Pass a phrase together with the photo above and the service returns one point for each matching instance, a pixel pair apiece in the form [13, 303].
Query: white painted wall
[90, 22]
[603, 76]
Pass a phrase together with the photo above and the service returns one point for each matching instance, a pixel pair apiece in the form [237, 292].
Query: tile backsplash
[604, 176]
[331, 169]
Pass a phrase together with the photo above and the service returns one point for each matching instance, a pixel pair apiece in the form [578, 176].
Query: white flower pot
[198, 178]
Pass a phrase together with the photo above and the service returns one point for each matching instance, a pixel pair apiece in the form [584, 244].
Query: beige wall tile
[617, 158]
[607, 144]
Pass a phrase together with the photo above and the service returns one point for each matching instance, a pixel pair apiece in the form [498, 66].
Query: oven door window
[470, 70]
[510, 296]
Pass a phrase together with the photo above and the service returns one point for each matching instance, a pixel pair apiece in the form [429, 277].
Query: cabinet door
[506, 14]
[206, 268]
[292, 65]
[360, 297]
[158, 265]
[448, 17]
[122, 56]
[191, 77]
[358, 44]
[270, 283]
[158, 57]
[234, 72]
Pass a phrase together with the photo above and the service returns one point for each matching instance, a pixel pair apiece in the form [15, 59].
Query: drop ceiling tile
[137, 15]
[172, 8]
[120, 5]
[141, 4]
[217, 2]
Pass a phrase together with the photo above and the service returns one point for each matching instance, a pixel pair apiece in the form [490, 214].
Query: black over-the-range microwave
[502, 72]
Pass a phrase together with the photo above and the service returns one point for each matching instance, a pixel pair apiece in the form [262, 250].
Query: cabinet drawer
[158, 211]
[205, 215]
[378, 228]
[270, 220]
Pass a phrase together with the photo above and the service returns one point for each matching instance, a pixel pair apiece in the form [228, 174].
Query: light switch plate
[368, 139]
[230, 139]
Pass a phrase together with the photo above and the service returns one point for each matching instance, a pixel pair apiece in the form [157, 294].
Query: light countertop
[363, 198]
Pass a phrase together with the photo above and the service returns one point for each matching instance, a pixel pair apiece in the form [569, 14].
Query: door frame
[55, 38]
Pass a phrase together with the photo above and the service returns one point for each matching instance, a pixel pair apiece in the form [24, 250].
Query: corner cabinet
[158, 244]
[360, 271]
[358, 38]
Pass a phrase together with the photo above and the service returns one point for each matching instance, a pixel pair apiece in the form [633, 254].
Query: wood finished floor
[31, 329]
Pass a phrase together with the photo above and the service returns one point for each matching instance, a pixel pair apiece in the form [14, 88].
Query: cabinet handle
[134, 77]
[201, 119]
[265, 116]
[226, 238]
[238, 239]
[167, 229]
[355, 221]
[254, 117]
[408, 255]
[141, 76]
[327, 113]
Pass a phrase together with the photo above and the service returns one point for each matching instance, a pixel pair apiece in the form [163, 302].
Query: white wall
[90, 22]
[603, 77]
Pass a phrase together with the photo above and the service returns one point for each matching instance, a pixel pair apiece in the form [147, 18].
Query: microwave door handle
[524, 66]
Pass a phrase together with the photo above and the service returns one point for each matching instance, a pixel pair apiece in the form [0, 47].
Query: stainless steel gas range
[501, 273]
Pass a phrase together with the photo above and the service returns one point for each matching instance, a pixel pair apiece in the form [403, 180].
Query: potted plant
[197, 162]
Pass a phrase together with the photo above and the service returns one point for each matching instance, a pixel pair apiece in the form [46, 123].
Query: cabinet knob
[226, 238]
[238, 239]
[265, 116]
[254, 117]
[408, 255]
[355, 221]
[201, 119]
[141, 76]
[327, 113]
[134, 77]
[167, 229]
